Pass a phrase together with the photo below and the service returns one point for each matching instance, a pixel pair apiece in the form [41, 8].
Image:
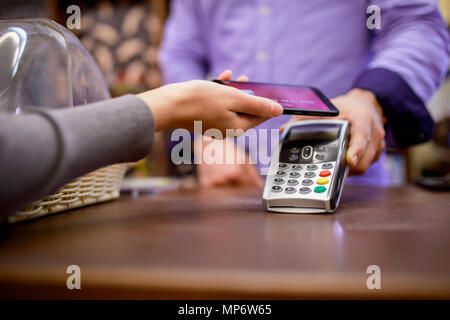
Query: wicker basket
[98, 186]
[48, 66]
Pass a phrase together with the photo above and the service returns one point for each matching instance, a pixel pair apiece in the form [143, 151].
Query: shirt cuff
[408, 121]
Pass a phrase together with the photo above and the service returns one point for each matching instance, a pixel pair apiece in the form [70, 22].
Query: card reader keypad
[278, 181]
[281, 173]
[304, 190]
[276, 189]
[320, 156]
[294, 174]
[310, 179]
[290, 190]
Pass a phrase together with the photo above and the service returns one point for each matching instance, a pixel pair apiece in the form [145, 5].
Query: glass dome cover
[44, 64]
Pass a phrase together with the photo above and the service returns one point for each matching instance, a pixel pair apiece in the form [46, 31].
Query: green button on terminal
[320, 189]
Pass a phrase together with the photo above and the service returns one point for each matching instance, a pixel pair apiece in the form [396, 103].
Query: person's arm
[183, 49]
[43, 149]
[410, 59]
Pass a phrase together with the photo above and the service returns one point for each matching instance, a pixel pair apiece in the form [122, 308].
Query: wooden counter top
[220, 243]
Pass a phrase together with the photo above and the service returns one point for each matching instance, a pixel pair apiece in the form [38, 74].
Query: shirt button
[264, 10]
[261, 55]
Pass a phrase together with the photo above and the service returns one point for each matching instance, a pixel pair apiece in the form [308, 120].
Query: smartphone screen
[294, 99]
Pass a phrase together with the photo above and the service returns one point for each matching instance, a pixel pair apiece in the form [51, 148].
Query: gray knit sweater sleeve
[41, 149]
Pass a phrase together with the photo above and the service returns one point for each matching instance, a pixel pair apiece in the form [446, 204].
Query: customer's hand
[361, 108]
[217, 106]
[233, 174]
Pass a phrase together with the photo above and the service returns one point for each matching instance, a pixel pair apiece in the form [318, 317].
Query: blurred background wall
[432, 159]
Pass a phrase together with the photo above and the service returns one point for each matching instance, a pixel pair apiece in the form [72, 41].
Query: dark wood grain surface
[220, 243]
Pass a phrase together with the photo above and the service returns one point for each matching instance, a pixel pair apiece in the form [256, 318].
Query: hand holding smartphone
[300, 100]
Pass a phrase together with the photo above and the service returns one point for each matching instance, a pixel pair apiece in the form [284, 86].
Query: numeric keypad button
[320, 156]
[304, 190]
[325, 173]
[294, 174]
[276, 188]
[310, 174]
[278, 181]
[290, 190]
[321, 149]
[281, 173]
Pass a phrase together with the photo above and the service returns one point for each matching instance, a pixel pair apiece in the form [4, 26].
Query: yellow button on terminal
[322, 181]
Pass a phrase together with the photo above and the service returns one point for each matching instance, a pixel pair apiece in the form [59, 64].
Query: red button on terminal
[325, 173]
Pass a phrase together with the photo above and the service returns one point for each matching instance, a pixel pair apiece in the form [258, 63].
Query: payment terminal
[308, 168]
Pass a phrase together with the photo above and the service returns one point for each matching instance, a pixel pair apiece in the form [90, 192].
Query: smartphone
[302, 100]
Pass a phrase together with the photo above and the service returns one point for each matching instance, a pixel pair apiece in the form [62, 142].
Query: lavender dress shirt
[323, 43]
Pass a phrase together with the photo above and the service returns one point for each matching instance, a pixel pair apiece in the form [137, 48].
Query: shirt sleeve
[182, 54]
[41, 149]
[410, 60]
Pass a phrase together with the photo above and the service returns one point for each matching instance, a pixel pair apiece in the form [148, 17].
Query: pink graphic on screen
[287, 97]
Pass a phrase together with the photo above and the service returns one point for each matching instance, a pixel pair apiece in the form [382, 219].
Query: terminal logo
[74, 20]
[74, 280]
[374, 281]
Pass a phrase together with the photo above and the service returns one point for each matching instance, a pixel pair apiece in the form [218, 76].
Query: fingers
[366, 145]
[257, 106]
[228, 74]
[359, 140]
[367, 158]
[225, 75]
[381, 148]
[242, 79]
